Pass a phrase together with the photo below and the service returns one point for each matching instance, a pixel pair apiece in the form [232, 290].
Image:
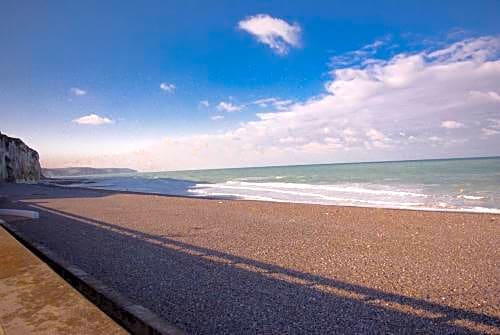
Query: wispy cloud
[492, 127]
[435, 138]
[77, 91]
[491, 95]
[228, 107]
[277, 103]
[204, 103]
[276, 33]
[93, 120]
[167, 87]
[362, 56]
[216, 117]
[478, 49]
[489, 131]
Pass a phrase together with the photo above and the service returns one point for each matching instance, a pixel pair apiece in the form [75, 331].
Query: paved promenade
[35, 300]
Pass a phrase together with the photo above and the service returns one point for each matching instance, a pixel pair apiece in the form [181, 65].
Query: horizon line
[289, 165]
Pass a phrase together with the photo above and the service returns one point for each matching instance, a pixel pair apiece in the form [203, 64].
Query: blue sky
[226, 83]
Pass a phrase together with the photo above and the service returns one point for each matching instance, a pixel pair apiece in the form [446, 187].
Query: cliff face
[18, 162]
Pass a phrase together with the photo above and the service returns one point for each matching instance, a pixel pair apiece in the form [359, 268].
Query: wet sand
[224, 266]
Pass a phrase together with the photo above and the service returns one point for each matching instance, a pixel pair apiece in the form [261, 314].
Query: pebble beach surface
[248, 267]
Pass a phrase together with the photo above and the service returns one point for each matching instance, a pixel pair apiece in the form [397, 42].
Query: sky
[168, 85]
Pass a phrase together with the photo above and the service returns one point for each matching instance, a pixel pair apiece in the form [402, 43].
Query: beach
[230, 266]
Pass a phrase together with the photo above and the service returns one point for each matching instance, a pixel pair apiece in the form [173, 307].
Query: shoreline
[68, 182]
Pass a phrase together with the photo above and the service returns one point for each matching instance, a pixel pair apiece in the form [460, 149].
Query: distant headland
[82, 171]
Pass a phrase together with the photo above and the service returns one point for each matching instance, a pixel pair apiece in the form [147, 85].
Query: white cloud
[217, 117]
[474, 49]
[451, 124]
[494, 123]
[228, 107]
[361, 108]
[377, 139]
[375, 135]
[491, 95]
[278, 34]
[77, 91]
[277, 103]
[204, 103]
[489, 132]
[362, 55]
[492, 128]
[292, 140]
[264, 102]
[93, 119]
[167, 87]
[434, 138]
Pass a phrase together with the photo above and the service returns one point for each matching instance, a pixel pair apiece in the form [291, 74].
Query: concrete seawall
[133, 317]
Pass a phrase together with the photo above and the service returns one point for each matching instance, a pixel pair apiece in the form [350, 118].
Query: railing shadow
[208, 291]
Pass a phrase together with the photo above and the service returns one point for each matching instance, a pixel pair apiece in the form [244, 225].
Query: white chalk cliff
[18, 162]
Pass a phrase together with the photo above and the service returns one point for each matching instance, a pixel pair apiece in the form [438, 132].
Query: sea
[463, 185]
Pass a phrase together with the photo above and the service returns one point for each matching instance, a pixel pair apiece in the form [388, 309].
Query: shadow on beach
[205, 291]
[59, 188]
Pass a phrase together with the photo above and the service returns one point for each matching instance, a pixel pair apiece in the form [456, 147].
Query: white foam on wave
[321, 199]
[334, 188]
[471, 197]
[344, 195]
[358, 203]
[358, 195]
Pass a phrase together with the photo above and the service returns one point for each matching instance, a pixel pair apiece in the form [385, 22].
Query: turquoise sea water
[451, 184]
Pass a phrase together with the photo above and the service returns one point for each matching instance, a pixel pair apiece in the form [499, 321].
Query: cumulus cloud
[167, 87]
[385, 109]
[93, 120]
[216, 117]
[276, 33]
[77, 91]
[451, 124]
[228, 107]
